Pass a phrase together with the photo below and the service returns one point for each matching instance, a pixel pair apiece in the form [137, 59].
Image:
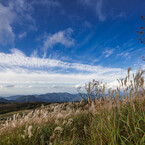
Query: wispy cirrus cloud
[108, 52]
[103, 10]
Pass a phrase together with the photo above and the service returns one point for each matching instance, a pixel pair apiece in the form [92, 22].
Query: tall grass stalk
[99, 120]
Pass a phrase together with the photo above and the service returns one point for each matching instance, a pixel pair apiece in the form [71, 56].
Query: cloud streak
[108, 52]
[17, 59]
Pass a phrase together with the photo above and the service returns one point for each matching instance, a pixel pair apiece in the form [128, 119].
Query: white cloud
[22, 71]
[127, 53]
[61, 37]
[44, 82]
[7, 17]
[18, 59]
[16, 52]
[34, 54]
[108, 52]
[14, 11]
[22, 35]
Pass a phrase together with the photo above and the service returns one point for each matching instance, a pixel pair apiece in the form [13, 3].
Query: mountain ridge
[48, 97]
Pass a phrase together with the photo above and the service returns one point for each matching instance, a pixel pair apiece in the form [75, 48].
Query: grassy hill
[105, 120]
[76, 123]
[6, 107]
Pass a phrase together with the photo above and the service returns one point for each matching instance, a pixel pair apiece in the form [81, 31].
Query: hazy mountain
[4, 100]
[59, 97]
[13, 97]
[30, 98]
[49, 97]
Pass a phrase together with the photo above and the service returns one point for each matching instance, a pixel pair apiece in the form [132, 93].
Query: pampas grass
[99, 119]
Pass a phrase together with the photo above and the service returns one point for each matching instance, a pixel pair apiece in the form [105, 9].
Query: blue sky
[55, 46]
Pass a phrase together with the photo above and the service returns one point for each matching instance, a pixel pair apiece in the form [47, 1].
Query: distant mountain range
[49, 97]
[4, 100]
[13, 97]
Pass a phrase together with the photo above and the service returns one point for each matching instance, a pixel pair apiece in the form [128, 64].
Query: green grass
[122, 126]
[113, 121]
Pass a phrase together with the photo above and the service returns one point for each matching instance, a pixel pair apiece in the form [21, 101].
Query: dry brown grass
[101, 108]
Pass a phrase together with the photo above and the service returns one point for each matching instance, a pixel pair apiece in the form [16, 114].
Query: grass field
[103, 120]
[10, 107]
